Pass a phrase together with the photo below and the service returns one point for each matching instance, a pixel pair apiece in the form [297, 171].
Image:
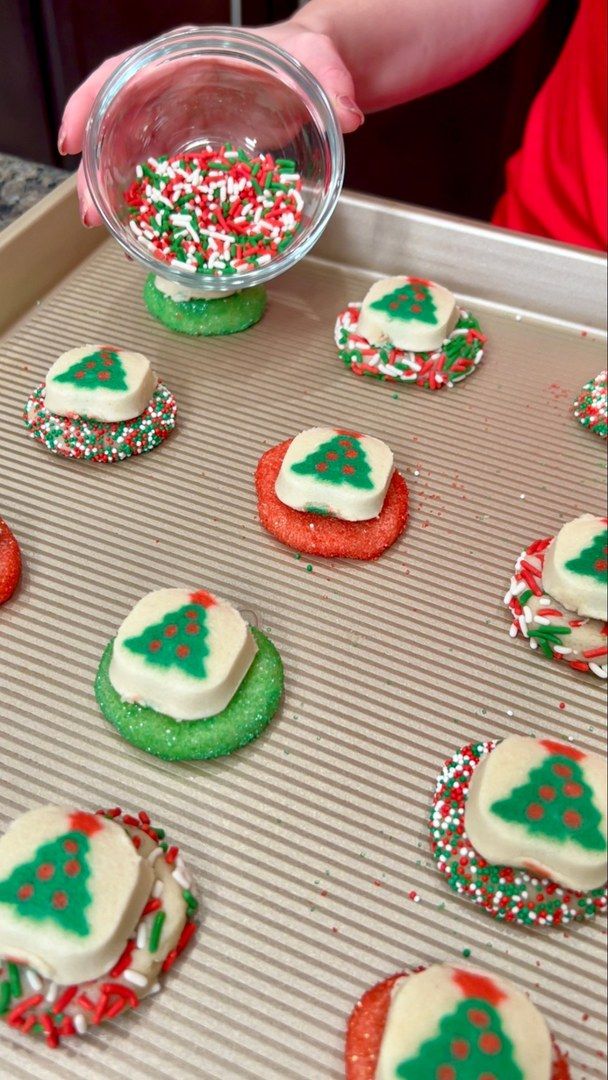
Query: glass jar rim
[246, 46]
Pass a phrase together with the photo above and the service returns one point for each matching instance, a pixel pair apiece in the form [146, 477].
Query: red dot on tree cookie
[478, 1018]
[547, 793]
[351, 453]
[24, 892]
[60, 901]
[562, 770]
[321, 466]
[182, 651]
[415, 308]
[79, 374]
[103, 376]
[72, 868]
[331, 455]
[446, 1072]
[534, 812]
[192, 628]
[393, 305]
[155, 645]
[488, 1076]
[460, 1049]
[191, 614]
[348, 470]
[170, 630]
[71, 846]
[45, 871]
[107, 361]
[572, 819]
[572, 790]
[91, 364]
[489, 1043]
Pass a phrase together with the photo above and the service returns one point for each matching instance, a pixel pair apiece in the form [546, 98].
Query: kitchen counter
[22, 184]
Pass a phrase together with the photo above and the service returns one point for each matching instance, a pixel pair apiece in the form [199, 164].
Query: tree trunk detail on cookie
[555, 801]
[101, 368]
[593, 560]
[179, 640]
[409, 302]
[341, 460]
[54, 884]
[471, 1042]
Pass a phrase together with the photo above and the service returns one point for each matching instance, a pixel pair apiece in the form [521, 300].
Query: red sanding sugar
[314, 534]
[365, 1029]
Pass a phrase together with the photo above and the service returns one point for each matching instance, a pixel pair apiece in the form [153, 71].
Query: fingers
[76, 112]
[88, 213]
[337, 82]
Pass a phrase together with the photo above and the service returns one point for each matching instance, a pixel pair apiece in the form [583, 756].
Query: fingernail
[86, 218]
[351, 106]
[61, 141]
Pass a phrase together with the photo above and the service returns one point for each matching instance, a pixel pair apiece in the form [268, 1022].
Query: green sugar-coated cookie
[244, 718]
[225, 315]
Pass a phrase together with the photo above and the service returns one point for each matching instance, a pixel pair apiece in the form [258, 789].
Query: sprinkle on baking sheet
[510, 895]
[215, 212]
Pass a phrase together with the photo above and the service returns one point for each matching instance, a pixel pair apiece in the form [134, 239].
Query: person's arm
[397, 50]
[368, 54]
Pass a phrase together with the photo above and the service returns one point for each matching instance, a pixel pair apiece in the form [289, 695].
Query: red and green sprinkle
[508, 894]
[215, 212]
[96, 440]
[459, 355]
[590, 407]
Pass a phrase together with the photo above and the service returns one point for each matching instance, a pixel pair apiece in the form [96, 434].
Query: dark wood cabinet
[447, 151]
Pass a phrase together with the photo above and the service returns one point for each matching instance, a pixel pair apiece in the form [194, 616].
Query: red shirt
[557, 182]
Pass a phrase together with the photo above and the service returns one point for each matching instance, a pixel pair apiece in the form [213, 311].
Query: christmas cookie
[10, 562]
[100, 403]
[411, 330]
[558, 595]
[187, 312]
[186, 678]
[450, 1023]
[590, 407]
[536, 810]
[93, 908]
[332, 492]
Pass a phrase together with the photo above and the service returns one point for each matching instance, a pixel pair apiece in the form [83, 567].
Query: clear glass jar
[211, 85]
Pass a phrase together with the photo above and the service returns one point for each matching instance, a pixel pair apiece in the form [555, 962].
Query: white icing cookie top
[99, 382]
[182, 652]
[72, 889]
[445, 1016]
[180, 293]
[336, 472]
[576, 567]
[408, 312]
[541, 805]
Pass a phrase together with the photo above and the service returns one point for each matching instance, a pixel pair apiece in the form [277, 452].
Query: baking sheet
[309, 844]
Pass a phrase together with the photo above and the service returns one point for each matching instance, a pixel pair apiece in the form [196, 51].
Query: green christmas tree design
[179, 640]
[409, 302]
[555, 801]
[101, 368]
[470, 1045]
[593, 560]
[53, 885]
[340, 460]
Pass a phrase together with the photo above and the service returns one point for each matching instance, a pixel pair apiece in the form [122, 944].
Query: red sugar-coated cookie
[10, 562]
[365, 1028]
[314, 534]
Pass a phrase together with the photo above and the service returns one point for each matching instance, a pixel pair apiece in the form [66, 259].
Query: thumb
[338, 84]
